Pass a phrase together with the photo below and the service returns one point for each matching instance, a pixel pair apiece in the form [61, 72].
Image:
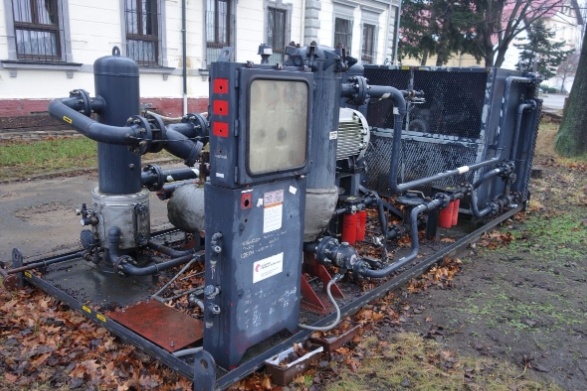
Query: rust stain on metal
[162, 325]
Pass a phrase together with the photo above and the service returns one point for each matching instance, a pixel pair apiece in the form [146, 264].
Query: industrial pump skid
[297, 174]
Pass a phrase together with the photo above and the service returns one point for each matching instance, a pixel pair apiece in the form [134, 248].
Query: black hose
[392, 209]
[168, 250]
[124, 263]
[128, 269]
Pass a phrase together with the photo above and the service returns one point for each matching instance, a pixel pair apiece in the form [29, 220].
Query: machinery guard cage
[460, 123]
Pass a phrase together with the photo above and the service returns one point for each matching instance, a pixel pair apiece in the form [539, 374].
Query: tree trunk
[488, 54]
[571, 139]
[424, 58]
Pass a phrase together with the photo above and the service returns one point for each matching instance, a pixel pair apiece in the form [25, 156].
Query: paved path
[39, 216]
[553, 102]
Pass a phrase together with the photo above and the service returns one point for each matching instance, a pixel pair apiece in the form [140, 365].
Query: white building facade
[48, 47]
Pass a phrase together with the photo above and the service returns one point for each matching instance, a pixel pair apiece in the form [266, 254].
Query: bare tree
[503, 20]
[483, 28]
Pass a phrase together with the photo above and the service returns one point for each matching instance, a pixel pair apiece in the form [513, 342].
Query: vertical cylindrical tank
[117, 81]
[325, 113]
[322, 192]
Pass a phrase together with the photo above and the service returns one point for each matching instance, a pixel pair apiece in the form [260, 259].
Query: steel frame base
[203, 371]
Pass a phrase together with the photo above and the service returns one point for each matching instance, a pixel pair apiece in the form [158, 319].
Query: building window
[276, 29]
[368, 49]
[36, 30]
[218, 31]
[142, 31]
[343, 33]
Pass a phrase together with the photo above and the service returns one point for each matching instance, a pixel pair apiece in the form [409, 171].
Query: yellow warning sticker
[28, 274]
[87, 309]
[67, 119]
[101, 318]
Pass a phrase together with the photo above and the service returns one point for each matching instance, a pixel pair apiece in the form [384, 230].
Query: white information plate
[267, 267]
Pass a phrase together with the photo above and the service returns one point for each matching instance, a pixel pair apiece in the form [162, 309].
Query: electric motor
[353, 134]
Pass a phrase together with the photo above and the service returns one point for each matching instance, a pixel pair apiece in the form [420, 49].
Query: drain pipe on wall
[184, 58]
[395, 60]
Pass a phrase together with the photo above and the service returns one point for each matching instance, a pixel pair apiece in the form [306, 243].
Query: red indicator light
[220, 129]
[220, 107]
[220, 86]
[246, 200]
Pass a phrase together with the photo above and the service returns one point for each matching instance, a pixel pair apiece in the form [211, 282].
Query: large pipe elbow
[388, 92]
[120, 135]
[181, 146]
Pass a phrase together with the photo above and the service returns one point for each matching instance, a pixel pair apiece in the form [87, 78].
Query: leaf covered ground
[508, 314]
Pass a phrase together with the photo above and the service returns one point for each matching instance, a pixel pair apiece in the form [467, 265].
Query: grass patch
[507, 309]
[409, 362]
[21, 159]
[545, 144]
[566, 228]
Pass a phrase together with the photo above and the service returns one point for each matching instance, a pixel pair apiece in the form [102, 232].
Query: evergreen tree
[417, 35]
[482, 28]
[539, 54]
[437, 27]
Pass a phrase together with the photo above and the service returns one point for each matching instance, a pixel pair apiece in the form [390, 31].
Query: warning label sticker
[267, 267]
[273, 197]
[273, 211]
[272, 218]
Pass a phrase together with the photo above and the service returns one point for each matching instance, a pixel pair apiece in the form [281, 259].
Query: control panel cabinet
[259, 147]
[260, 121]
[253, 265]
